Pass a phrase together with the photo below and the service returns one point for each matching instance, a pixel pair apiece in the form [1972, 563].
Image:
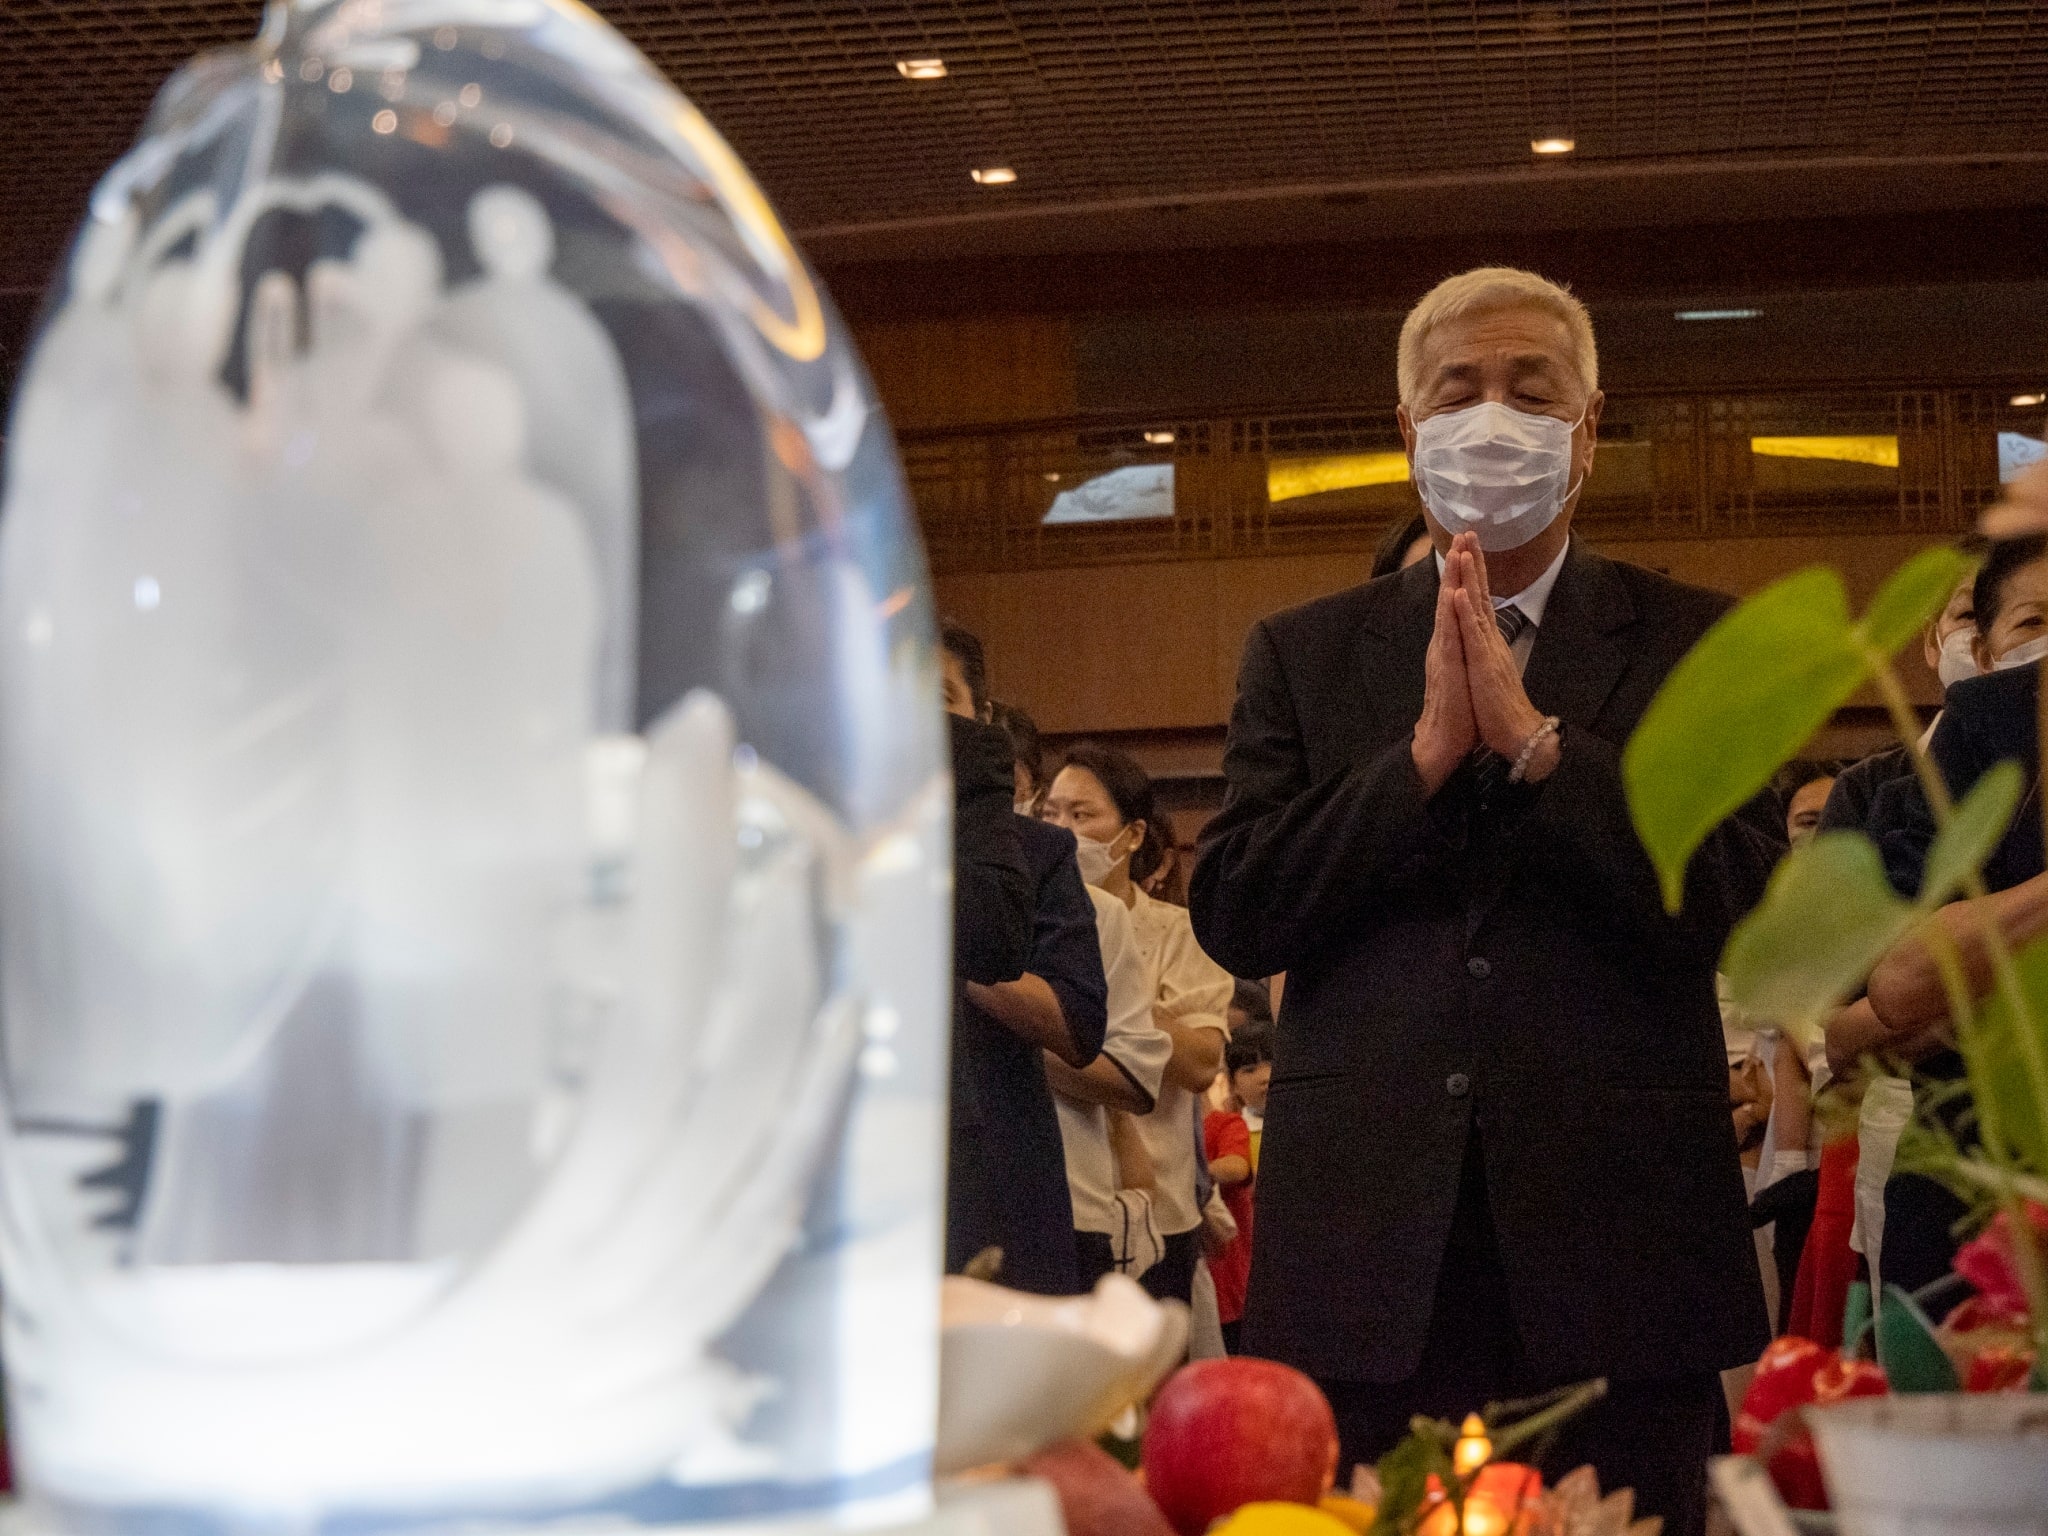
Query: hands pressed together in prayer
[1472, 690]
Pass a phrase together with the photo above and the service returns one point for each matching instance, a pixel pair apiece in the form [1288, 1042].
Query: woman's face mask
[2018, 631]
[1099, 859]
[1958, 658]
[2022, 655]
[1502, 474]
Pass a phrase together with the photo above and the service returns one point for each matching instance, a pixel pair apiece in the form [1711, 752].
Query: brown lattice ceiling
[1201, 101]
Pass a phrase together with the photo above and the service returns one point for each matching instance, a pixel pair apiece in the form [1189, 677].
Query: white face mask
[1957, 660]
[2021, 655]
[1097, 859]
[1502, 474]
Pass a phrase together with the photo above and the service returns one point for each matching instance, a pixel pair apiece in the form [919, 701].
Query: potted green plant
[1750, 695]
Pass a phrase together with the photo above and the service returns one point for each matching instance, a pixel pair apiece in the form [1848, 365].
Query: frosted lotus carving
[471, 846]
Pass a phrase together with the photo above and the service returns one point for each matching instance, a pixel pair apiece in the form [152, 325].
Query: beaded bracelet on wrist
[1520, 771]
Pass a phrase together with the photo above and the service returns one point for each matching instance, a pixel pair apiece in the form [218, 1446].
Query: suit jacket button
[1457, 1085]
[1479, 967]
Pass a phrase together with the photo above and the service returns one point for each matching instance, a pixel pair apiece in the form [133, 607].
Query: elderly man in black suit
[1498, 1155]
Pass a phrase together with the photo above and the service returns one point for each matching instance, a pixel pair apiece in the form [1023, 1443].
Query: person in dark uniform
[1007, 1172]
[1401, 546]
[1948, 648]
[1984, 721]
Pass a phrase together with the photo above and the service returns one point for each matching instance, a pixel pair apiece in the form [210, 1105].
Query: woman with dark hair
[1105, 799]
[1027, 754]
[1107, 804]
[1400, 547]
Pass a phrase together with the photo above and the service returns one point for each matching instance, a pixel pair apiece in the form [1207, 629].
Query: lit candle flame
[1473, 1449]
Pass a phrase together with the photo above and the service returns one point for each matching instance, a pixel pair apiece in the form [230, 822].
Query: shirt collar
[1533, 598]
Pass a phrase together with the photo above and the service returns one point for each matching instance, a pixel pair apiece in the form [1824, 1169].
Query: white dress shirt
[1194, 990]
[1136, 1044]
[1532, 600]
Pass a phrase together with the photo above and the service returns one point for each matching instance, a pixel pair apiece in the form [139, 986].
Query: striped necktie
[1512, 621]
[1490, 769]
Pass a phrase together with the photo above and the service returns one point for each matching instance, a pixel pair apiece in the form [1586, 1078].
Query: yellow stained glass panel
[1288, 478]
[1849, 450]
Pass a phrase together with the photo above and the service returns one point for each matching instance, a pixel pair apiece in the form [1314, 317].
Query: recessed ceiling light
[1716, 314]
[1160, 439]
[921, 69]
[1052, 475]
[2025, 400]
[1553, 146]
[994, 175]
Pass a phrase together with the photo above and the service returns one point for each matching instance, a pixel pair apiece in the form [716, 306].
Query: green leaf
[1999, 1082]
[1960, 850]
[1912, 596]
[1404, 1474]
[1827, 917]
[1856, 1318]
[1745, 699]
[1912, 1358]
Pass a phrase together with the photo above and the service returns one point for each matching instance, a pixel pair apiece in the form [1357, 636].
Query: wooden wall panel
[1155, 646]
[964, 599]
[1248, 590]
[1099, 648]
[1742, 566]
[995, 370]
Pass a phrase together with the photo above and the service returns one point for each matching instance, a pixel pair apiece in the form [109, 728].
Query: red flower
[1989, 1262]
[2001, 1368]
[1784, 1378]
[1793, 1373]
[1840, 1380]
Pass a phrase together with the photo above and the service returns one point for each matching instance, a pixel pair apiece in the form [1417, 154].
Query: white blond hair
[1490, 288]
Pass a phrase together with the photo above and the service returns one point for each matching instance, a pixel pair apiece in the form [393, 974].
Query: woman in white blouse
[1104, 798]
[1109, 1172]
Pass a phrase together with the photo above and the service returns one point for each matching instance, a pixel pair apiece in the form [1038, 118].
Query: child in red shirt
[1230, 1139]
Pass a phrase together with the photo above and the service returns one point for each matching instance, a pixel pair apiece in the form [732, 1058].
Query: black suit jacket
[1454, 965]
[992, 889]
[1984, 721]
[1857, 787]
[1006, 1184]
[1065, 952]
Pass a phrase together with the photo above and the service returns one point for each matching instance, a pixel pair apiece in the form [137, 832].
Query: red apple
[1225, 1433]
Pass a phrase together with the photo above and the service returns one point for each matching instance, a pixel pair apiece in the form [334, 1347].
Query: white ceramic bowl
[1018, 1372]
[1937, 1464]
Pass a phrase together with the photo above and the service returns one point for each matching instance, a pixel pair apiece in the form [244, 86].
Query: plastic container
[1936, 1464]
[473, 838]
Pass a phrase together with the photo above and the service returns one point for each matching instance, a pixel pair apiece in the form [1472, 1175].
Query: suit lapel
[1390, 647]
[1573, 670]
[1576, 661]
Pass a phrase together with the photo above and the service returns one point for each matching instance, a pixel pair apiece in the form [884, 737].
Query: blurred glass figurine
[472, 830]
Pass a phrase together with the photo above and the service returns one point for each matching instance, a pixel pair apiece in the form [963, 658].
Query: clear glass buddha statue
[472, 824]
